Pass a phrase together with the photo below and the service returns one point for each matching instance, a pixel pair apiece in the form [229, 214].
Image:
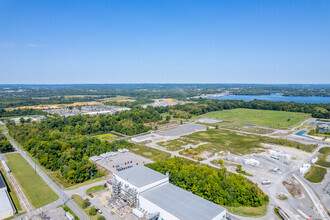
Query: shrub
[92, 211]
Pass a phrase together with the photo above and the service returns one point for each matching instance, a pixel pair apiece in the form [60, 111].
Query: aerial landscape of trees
[216, 185]
[63, 143]
[202, 106]
[29, 95]
[21, 112]
[5, 145]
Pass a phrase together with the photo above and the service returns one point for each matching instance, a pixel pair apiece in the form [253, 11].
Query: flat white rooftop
[140, 176]
[181, 203]
[5, 204]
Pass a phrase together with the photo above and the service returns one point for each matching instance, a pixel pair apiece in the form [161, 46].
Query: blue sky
[165, 41]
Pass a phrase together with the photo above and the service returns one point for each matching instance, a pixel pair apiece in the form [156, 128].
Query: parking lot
[123, 161]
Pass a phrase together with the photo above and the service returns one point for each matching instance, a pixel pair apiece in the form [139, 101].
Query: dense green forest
[216, 185]
[21, 95]
[20, 112]
[64, 144]
[18, 102]
[5, 145]
[202, 106]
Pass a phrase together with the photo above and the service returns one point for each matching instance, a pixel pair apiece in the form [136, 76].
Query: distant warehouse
[6, 205]
[154, 197]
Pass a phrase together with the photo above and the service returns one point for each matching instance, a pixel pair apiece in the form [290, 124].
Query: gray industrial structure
[151, 193]
[6, 205]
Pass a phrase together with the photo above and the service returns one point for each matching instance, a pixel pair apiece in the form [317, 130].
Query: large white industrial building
[6, 205]
[151, 192]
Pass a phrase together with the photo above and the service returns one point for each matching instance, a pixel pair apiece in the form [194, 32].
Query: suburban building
[151, 193]
[6, 205]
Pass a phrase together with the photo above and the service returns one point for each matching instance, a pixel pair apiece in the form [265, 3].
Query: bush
[85, 203]
[101, 217]
[92, 211]
[220, 161]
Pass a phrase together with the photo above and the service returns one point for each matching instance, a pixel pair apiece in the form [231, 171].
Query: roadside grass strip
[316, 174]
[35, 189]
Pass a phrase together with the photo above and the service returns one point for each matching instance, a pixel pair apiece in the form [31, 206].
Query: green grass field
[274, 119]
[175, 145]
[224, 140]
[237, 143]
[11, 191]
[316, 174]
[78, 185]
[35, 189]
[95, 189]
[107, 137]
[324, 153]
[151, 153]
[249, 211]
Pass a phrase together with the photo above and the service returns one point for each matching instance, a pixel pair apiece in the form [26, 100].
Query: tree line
[202, 106]
[64, 144]
[20, 112]
[216, 185]
[5, 145]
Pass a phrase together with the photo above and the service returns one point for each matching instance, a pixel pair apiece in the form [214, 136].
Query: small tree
[101, 217]
[216, 126]
[181, 122]
[239, 168]
[220, 161]
[92, 211]
[85, 203]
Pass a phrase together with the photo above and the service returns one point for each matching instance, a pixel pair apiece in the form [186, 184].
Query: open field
[95, 189]
[224, 140]
[267, 118]
[316, 174]
[245, 128]
[324, 154]
[107, 137]
[151, 153]
[36, 190]
[11, 191]
[177, 144]
[237, 143]
[248, 211]
[78, 185]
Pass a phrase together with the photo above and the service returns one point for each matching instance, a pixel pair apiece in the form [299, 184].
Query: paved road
[81, 215]
[45, 209]
[317, 203]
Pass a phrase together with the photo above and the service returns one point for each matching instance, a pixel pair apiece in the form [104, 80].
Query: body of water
[276, 98]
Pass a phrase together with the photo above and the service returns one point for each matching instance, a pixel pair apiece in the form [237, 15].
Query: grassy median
[35, 189]
[316, 174]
